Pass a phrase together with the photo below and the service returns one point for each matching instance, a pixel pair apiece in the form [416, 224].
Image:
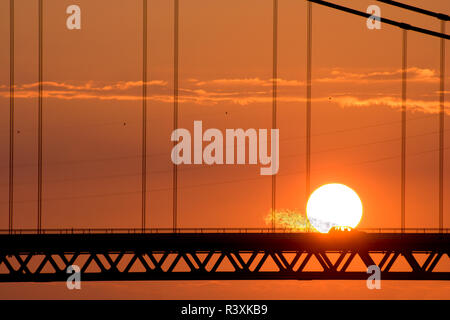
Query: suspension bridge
[41, 255]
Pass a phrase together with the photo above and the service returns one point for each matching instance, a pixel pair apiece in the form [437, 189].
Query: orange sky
[92, 110]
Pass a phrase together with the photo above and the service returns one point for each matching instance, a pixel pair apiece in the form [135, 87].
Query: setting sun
[333, 205]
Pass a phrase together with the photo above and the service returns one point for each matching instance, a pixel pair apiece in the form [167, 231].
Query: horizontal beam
[10, 244]
[185, 276]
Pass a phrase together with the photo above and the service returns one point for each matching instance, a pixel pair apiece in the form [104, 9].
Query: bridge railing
[208, 230]
[153, 230]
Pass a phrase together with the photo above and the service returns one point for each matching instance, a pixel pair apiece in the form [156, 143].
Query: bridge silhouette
[40, 255]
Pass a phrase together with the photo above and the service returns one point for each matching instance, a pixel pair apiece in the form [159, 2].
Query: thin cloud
[239, 98]
[239, 91]
[90, 86]
[423, 106]
[234, 82]
[414, 74]
[249, 82]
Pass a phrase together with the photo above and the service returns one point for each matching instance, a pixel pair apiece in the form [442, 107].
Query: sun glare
[333, 205]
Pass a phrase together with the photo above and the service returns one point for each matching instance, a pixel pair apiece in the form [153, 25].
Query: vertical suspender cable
[274, 99]
[308, 98]
[441, 130]
[175, 112]
[11, 115]
[144, 111]
[403, 130]
[39, 222]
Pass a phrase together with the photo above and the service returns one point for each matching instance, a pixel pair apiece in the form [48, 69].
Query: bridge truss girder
[36, 258]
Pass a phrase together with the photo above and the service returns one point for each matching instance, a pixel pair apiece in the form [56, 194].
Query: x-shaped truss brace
[197, 265]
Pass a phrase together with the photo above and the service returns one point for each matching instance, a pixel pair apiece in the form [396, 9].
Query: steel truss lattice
[128, 257]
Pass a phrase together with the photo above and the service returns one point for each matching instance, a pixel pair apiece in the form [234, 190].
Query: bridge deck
[22, 243]
[224, 256]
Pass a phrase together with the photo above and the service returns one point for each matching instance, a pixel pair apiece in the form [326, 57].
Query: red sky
[92, 110]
